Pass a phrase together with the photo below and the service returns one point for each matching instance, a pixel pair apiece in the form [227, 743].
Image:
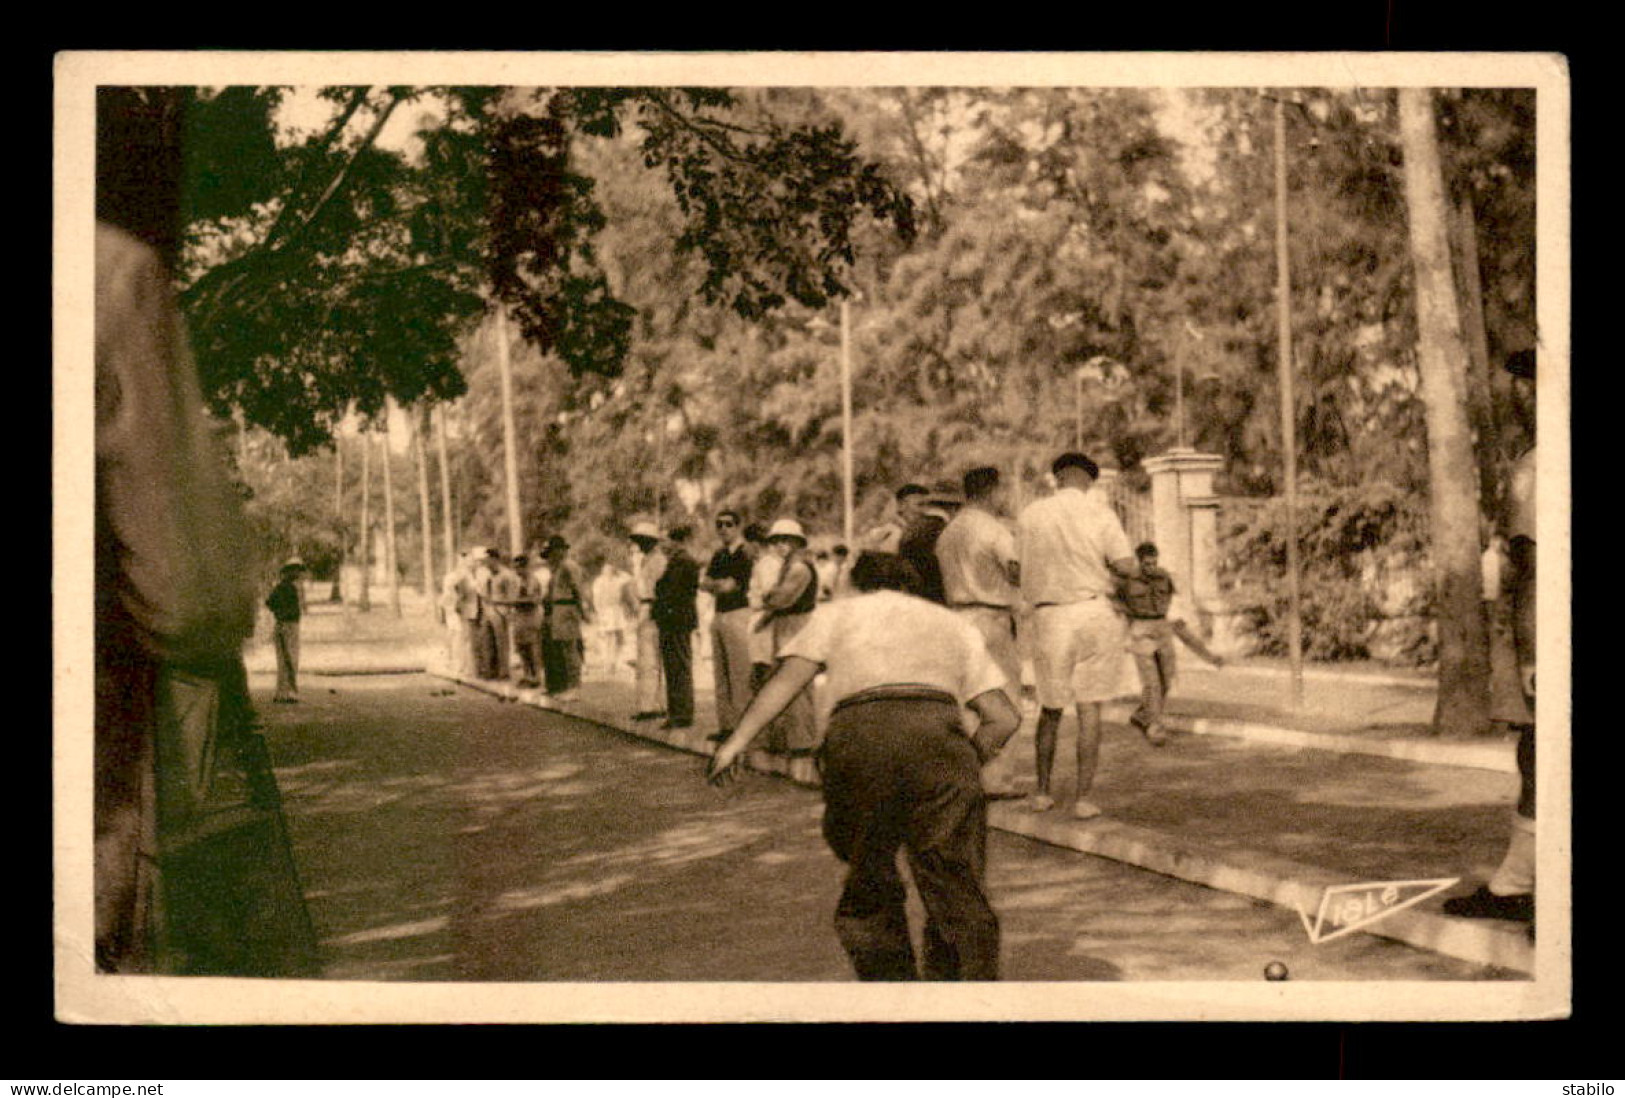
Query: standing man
[787, 609]
[1147, 597]
[908, 500]
[899, 770]
[469, 578]
[173, 577]
[927, 516]
[568, 607]
[980, 577]
[1071, 551]
[526, 616]
[727, 579]
[764, 576]
[1510, 891]
[676, 617]
[648, 563]
[287, 605]
[500, 593]
[614, 608]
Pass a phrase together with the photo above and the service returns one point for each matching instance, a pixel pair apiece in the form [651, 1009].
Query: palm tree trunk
[1464, 666]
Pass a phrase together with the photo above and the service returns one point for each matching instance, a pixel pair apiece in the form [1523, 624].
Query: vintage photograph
[714, 537]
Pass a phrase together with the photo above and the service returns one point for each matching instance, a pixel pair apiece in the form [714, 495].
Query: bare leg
[1044, 739]
[1088, 744]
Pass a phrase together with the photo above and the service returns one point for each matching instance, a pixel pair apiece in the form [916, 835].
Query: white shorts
[1078, 652]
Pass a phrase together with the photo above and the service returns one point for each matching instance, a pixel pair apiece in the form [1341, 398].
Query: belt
[1074, 602]
[978, 606]
[1137, 617]
[897, 693]
[565, 602]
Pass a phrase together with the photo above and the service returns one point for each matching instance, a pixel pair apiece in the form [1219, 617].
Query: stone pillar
[1186, 513]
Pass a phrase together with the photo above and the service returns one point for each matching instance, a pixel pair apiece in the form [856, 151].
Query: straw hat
[645, 530]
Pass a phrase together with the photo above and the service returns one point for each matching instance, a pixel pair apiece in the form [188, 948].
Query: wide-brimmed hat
[645, 530]
[787, 528]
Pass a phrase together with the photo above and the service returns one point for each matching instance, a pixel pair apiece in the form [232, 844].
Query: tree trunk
[366, 518]
[447, 511]
[1464, 666]
[420, 451]
[337, 594]
[391, 556]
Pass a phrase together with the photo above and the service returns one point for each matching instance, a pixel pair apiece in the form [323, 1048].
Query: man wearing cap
[568, 607]
[899, 769]
[525, 615]
[676, 617]
[648, 562]
[786, 609]
[1071, 551]
[908, 501]
[287, 605]
[927, 517]
[727, 579]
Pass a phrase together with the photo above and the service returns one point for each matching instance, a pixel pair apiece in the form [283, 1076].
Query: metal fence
[1132, 502]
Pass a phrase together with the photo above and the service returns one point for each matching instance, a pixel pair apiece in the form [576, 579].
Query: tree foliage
[347, 272]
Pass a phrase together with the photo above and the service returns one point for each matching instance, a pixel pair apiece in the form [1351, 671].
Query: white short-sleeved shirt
[974, 552]
[886, 638]
[1064, 542]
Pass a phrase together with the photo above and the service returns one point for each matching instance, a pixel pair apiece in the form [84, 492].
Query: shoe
[1154, 735]
[719, 736]
[676, 724]
[1040, 802]
[1085, 810]
[648, 714]
[1485, 904]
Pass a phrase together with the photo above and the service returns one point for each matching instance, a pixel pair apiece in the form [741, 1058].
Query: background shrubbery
[1366, 588]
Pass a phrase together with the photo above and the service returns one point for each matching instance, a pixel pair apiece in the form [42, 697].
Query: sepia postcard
[553, 437]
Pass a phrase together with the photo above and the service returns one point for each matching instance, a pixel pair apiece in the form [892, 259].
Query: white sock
[1516, 876]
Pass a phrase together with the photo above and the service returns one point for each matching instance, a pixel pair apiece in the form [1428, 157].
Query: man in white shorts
[1072, 550]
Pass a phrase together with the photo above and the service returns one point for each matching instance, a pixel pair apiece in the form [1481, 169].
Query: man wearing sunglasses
[727, 579]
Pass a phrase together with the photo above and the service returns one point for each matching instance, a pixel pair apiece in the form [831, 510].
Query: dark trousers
[562, 661]
[902, 773]
[527, 645]
[677, 660]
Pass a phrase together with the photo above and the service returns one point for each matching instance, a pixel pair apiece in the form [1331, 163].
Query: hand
[725, 765]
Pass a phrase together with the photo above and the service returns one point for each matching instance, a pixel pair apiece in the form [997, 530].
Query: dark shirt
[674, 610]
[1148, 595]
[918, 546]
[735, 565]
[283, 602]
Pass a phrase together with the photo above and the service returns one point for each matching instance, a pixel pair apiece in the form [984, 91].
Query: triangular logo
[1346, 908]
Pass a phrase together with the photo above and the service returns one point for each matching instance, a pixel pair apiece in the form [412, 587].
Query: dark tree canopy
[329, 273]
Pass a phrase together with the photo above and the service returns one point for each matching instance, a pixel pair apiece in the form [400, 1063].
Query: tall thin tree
[420, 452]
[391, 556]
[366, 518]
[1464, 671]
